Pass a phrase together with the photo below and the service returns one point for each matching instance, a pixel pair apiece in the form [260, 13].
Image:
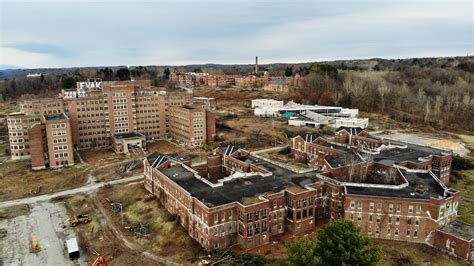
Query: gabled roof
[351, 130]
[229, 149]
[156, 159]
[309, 137]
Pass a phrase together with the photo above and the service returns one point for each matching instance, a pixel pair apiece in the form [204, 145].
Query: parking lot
[43, 227]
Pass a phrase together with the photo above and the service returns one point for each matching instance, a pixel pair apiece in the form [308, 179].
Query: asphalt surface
[44, 223]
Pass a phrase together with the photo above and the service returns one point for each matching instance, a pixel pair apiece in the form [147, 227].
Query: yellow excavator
[77, 220]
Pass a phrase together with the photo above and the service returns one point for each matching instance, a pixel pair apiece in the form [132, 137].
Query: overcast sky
[39, 33]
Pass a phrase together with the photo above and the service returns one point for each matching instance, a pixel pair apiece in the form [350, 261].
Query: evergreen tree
[123, 74]
[167, 72]
[339, 243]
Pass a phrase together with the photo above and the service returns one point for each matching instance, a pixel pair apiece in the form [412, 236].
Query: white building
[309, 115]
[351, 122]
[274, 108]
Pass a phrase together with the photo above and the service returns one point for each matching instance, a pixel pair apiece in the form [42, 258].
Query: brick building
[248, 199]
[354, 144]
[456, 239]
[97, 113]
[192, 124]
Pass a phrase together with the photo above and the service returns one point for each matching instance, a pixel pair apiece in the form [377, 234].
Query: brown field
[97, 236]
[164, 146]
[18, 180]
[100, 156]
[166, 238]
[14, 211]
[404, 253]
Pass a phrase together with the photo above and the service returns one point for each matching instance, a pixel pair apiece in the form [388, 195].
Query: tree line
[51, 82]
[436, 96]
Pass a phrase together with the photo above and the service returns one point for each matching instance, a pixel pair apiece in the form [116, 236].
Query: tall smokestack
[256, 64]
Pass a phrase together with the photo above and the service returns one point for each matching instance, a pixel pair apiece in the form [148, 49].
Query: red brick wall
[444, 241]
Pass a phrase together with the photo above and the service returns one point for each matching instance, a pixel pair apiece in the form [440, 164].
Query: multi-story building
[356, 145]
[249, 200]
[98, 114]
[258, 78]
[192, 125]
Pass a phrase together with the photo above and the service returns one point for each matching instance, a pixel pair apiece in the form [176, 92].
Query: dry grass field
[166, 237]
[17, 180]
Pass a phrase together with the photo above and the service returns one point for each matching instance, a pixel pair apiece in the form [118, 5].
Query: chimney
[256, 64]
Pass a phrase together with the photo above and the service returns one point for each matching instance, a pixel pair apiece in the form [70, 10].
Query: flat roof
[50, 117]
[412, 153]
[339, 160]
[127, 135]
[72, 245]
[459, 229]
[240, 189]
[416, 181]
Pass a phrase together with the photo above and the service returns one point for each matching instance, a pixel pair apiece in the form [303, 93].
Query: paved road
[86, 188]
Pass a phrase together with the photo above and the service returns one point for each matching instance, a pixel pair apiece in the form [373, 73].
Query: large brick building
[247, 199]
[98, 114]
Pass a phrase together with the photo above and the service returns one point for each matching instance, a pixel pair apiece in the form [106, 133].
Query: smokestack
[256, 64]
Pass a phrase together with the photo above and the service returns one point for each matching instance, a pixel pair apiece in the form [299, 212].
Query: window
[369, 231]
[359, 217]
[418, 209]
[352, 217]
[264, 226]
[390, 208]
[249, 217]
[289, 203]
[370, 218]
[298, 204]
[352, 205]
[257, 228]
[379, 218]
[408, 232]
[359, 205]
[398, 208]
[256, 215]
[264, 213]
[371, 206]
[410, 208]
[249, 230]
[223, 216]
[415, 234]
[397, 220]
[379, 207]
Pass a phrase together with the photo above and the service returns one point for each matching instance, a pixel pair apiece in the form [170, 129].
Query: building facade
[249, 200]
[95, 112]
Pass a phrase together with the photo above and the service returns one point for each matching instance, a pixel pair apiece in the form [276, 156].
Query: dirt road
[87, 188]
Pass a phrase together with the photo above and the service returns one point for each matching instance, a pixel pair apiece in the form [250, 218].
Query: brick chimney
[256, 64]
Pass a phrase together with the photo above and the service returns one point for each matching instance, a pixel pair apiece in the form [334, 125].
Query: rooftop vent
[421, 189]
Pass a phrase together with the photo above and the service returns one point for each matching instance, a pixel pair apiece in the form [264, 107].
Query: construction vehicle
[100, 261]
[78, 219]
